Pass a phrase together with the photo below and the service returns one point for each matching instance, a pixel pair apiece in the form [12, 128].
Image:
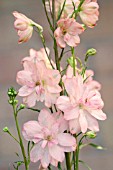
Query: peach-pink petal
[72, 41]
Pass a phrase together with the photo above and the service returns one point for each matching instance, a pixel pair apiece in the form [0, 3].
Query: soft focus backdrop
[101, 38]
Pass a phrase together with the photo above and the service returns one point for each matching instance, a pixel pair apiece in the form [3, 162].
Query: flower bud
[91, 51]
[6, 129]
[22, 106]
[91, 134]
[15, 102]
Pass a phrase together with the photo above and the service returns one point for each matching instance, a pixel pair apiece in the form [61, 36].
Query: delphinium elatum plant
[72, 103]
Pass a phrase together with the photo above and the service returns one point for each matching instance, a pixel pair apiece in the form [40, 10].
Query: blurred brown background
[101, 38]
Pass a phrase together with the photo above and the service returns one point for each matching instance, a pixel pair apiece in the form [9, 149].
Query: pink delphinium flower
[67, 32]
[68, 8]
[39, 83]
[89, 12]
[92, 84]
[50, 140]
[82, 107]
[88, 78]
[24, 26]
[40, 55]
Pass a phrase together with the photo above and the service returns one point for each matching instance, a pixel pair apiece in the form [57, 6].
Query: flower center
[81, 106]
[37, 83]
[64, 31]
[49, 138]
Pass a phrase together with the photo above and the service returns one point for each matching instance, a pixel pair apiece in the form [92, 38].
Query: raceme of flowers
[72, 100]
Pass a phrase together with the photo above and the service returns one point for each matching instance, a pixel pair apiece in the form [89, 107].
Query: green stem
[47, 16]
[73, 55]
[13, 137]
[77, 158]
[59, 166]
[68, 163]
[20, 139]
[78, 9]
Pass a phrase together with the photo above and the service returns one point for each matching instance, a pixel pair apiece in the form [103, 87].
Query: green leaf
[85, 164]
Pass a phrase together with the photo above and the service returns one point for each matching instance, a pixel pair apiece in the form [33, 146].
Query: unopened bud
[91, 134]
[22, 106]
[6, 129]
[15, 102]
[10, 101]
[90, 52]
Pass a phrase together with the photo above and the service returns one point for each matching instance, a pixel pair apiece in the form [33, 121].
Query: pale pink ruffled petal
[25, 78]
[71, 113]
[83, 121]
[31, 99]
[65, 139]
[46, 158]
[54, 162]
[30, 129]
[36, 153]
[57, 153]
[25, 91]
[74, 126]
[46, 119]
[63, 103]
[98, 114]
[92, 123]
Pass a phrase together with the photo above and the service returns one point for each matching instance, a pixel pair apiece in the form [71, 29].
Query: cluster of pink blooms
[77, 111]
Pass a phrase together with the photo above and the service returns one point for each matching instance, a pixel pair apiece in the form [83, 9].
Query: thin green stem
[74, 160]
[20, 139]
[28, 152]
[47, 16]
[44, 45]
[13, 137]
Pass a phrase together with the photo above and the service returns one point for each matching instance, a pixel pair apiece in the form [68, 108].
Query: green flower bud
[91, 51]
[22, 106]
[19, 163]
[91, 134]
[10, 101]
[6, 129]
[15, 102]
